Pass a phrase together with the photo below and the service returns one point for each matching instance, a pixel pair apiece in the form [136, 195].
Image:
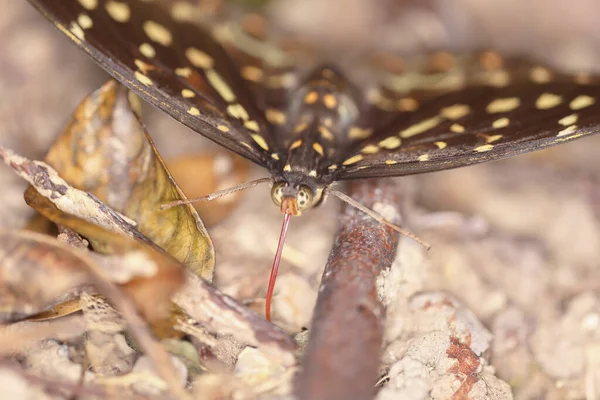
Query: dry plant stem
[221, 314]
[17, 336]
[343, 352]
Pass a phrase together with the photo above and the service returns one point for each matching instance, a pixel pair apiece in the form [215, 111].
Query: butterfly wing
[173, 64]
[478, 123]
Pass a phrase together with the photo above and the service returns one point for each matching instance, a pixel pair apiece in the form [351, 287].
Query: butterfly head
[294, 199]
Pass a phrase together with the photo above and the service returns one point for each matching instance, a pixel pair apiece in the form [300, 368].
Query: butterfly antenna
[286, 222]
[377, 217]
[217, 194]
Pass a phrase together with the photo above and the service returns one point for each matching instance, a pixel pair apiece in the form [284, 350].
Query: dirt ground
[515, 252]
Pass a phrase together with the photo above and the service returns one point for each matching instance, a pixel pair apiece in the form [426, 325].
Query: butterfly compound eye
[304, 198]
[277, 193]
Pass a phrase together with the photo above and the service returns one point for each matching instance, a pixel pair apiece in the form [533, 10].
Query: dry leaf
[106, 151]
[51, 260]
[36, 273]
[76, 209]
[82, 212]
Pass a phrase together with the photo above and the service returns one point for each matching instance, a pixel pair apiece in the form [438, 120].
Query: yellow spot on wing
[456, 111]
[503, 105]
[540, 74]
[187, 93]
[318, 148]
[407, 104]
[353, 160]
[500, 123]
[296, 144]
[391, 162]
[198, 58]
[143, 79]
[89, 4]
[84, 21]
[370, 149]
[237, 111]
[77, 31]
[260, 141]
[219, 85]
[457, 128]
[420, 127]
[275, 156]
[252, 125]
[300, 127]
[567, 130]
[193, 111]
[485, 147]
[548, 100]
[144, 67]
[325, 133]
[147, 50]
[183, 72]
[182, 11]
[275, 116]
[490, 138]
[311, 97]
[287, 168]
[157, 33]
[223, 128]
[118, 11]
[441, 145]
[390, 143]
[286, 80]
[359, 133]
[330, 101]
[313, 173]
[424, 157]
[568, 120]
[581, 102]
[252, 73]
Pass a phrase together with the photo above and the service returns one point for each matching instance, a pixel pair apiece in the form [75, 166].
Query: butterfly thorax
[320, 112]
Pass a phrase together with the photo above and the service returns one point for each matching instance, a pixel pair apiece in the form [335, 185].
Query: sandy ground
[516, 243]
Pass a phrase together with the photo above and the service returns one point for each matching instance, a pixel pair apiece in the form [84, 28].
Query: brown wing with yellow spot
[399, 86]
[273, 64]
[476, 124]
[152, 48]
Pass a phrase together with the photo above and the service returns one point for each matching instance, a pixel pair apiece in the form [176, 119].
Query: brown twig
[343, 352]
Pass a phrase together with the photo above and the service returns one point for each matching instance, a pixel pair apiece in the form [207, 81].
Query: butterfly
[309, 123]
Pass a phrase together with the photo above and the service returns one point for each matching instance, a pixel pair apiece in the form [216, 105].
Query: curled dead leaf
[106, 151]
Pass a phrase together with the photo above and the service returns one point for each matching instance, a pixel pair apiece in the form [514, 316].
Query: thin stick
[286, 222]
[217, 194]
[377, 217]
